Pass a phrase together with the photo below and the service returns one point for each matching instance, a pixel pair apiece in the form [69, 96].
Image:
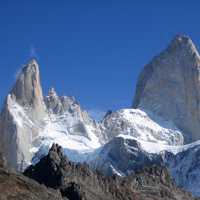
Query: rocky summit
[22, 113]
[169, 86]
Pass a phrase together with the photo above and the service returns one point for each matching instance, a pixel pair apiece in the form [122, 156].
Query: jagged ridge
[56, 171]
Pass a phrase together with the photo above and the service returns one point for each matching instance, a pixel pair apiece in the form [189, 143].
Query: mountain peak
[181, 38]
[182, 42]
[32, 61]
[170, 86]
[52, 92]
[31, 67]
[27, 89]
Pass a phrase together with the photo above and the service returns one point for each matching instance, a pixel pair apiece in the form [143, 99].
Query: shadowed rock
[15, 186]
[78, 181]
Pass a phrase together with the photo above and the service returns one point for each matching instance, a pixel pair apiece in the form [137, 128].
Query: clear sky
[93, 50]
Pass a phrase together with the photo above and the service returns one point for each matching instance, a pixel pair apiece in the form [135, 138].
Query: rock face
[18, 187]
[77, 181]
[27, 90]
[67, 110]
[185, 168]
[123, 157]
[15, 186]
[170, 86]
[21, 116]
[59, 105]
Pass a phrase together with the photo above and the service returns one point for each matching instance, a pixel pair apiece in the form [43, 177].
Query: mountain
[78, 181]
[31, 122]
[156, 130]
[169, 86]
[22, 113]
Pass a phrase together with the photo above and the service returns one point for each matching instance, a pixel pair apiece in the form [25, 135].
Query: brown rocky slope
[15, 186]
[77, 181]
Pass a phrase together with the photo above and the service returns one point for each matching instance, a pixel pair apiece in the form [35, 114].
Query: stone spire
[27, 90]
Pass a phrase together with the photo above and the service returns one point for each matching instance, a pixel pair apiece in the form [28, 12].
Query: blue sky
[93, 50]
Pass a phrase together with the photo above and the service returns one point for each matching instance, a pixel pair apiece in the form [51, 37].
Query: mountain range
[161, 127]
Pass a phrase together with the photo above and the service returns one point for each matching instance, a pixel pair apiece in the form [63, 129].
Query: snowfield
[79, 137]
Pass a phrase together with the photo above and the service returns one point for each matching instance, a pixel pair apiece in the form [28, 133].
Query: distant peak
[182, 41]
[27, 88]
[31, 67]
[33, 61]
[52, 92]
[181, 38]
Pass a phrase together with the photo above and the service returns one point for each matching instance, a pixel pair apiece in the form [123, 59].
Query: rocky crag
[170, 86]
[15, 186]
[77, 181]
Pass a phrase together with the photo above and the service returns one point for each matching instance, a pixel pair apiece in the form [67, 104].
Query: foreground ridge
[78, 181]
[16, 186]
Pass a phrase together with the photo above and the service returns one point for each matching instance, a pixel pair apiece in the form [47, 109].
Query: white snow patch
[18, 113]
[156, 147]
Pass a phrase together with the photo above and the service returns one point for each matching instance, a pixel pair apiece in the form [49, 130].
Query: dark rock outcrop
[77, 181]
[124, 156]
[15, 186]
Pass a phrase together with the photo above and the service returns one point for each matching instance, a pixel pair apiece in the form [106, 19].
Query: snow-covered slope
[74, 130]
[76, 136]
[142, 125]
[79, 137]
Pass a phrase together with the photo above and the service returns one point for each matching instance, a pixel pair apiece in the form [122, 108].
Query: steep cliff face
[27, 90]
[170, 86]
[21, 117]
